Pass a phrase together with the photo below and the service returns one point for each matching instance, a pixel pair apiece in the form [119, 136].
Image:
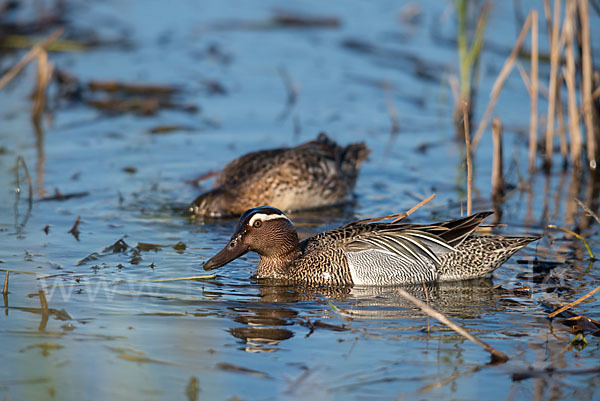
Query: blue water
[123, 338]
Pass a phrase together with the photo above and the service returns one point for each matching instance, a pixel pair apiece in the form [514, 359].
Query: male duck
[368, 254]
[316, 173]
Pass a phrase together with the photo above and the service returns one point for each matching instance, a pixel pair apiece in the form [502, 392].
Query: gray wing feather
[432, 242]
[415, 247]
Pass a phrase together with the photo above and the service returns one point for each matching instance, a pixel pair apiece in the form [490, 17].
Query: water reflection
[5, 298]
[261, 339]
[44, 311]
[21, 221]
[40, 157]
[448, 296]
[260, 335]
[265, 327]
[274, 292]
[581, 186]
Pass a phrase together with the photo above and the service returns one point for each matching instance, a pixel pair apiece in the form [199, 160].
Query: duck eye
[257, 223]
[232, 244]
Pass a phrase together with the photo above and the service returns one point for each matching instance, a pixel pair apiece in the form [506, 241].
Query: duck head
[264, 230]
[214, 203]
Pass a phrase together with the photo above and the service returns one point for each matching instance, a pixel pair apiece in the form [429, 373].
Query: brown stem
[469, 161]
[499, 356]
[552, 92]
[586, 86]
[497, 181]
[31, 54]
[5, 288]
[533, 93]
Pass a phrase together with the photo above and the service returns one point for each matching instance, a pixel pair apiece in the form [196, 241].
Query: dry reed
[588, 211]
[469, 161]
[44, 75]
[562, 36]
[497, 180]
[586, 85]
[396, 216]
[564, 146]
[533, 91]
[577, 301]
[5, 288]
[497, 355]
[30, 56]
[414, 208]
[499, 83]
[569, 76]
[552, 88]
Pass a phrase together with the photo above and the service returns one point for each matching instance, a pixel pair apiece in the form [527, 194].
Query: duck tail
[354, 154]
[480, 255]
[349, 157]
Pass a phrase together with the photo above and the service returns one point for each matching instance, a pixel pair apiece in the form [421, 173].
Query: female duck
[368, 254]
[314, 174]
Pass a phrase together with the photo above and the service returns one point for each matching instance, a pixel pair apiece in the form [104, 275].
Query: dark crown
[267, 211]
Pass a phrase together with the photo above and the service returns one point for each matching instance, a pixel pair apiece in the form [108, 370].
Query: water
[110, 334]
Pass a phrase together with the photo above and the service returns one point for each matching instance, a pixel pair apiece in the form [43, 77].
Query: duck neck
[278, 265]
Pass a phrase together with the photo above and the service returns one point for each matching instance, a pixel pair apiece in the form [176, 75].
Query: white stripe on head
[265, 217]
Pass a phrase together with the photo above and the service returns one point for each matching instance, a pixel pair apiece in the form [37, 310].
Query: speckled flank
[373, 254]
[479, 256]
[325, 268]
[314, 174]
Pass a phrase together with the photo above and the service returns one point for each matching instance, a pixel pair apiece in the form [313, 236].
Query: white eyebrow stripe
[265, 217]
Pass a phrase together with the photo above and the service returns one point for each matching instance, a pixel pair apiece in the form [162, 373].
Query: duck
[314, 174]
[367, 254]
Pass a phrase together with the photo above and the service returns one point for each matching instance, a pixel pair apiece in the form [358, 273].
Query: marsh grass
[501, 79]
[469, 162]
[577, 86]
[565, 30]
[497, 356]
[497, 179]
[468, 55]
[575, 302]
[578, 236]
[29, 57]
[5, 287]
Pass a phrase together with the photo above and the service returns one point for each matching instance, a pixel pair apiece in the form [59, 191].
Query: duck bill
[227, 254]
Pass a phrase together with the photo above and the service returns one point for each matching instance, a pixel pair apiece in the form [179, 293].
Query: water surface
[107, 333]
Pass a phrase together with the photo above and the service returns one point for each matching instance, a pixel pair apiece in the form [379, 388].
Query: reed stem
[30, 56]
[552, 89]
[497, 181]
[499, 83]
[469, 161]
[498, 355]
[569, 75]
[586, 87]
[533, 92]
